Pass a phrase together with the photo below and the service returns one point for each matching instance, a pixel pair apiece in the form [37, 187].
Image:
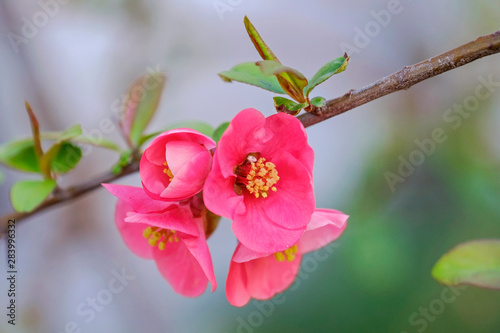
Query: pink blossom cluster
[259, 175]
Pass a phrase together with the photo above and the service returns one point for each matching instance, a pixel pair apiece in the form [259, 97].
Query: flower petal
[155, 152]
[268, 276]
[244, 254]
[199, 249]
[326, 226]
[181, 269]
[260, 278]
[258, 232]
[246, 134]
[153, 179]
[219, 195]
[293, 143]
[236, 291]
[188, 177]
[178, 218]
[132, 233]
[179, 153]
[136, 198]
[292, 205]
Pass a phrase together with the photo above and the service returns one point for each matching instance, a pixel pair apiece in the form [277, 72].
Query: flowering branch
[403, 79]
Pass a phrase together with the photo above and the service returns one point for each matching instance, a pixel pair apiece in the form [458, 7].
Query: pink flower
[261, 276]
[175, 164]
[168, 233]
[261, 179]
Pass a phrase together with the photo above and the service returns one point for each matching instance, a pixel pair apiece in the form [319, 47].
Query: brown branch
[403, 79]
[70, 194]
[407, 77]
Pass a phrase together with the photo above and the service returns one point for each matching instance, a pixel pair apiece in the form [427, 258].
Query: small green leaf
[2, 177]
[264, 50]
[475, 262]
[102, 143]
[66, 158]
[219, 131]
[20, 155]
[61, 157]
[290, 79]
[26, 195]
[199, 126]
[285, 105]
[71, 133]
[250, 73]
[318, 102]
[125, 158]
[143, 100]
[324, 73]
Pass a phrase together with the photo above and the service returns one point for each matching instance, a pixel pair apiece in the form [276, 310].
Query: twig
[407, 77]
[403, 79]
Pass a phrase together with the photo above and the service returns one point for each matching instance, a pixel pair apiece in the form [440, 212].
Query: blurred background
[75, 65]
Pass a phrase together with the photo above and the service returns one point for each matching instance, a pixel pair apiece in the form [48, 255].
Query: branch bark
[401, 80]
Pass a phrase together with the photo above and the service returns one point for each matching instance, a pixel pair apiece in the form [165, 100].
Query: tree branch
[401, 80]
[407, 77]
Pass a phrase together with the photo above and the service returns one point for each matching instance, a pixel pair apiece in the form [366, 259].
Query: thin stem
[401, 80]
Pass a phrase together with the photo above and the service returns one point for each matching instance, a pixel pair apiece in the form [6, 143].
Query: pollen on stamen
[168, 172]
[158, 236]
[257, 175]
[289, 254]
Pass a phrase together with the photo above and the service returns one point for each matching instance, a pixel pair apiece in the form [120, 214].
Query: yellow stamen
[158, 236]
[168, 172]
[261, 177]
[289, 254]
[279, 256]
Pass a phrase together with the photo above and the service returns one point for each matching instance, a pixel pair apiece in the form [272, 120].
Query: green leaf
[143, 100]
[264, 50]
[2, 177]
[290, 79]
[71, 133]
[61, 157]
[26, 195]
[102, 143]
[475, 263]
[20, 155]
[285, 105]
[318, 102]
[219, 131]
[199, 126]
[271, 67]
[324, 73]
[250, 73]
[124, 160]
[66, 158]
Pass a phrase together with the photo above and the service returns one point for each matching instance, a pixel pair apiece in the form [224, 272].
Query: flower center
[159, 236]
[288, 254]
[168, 172]
[256, 175]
